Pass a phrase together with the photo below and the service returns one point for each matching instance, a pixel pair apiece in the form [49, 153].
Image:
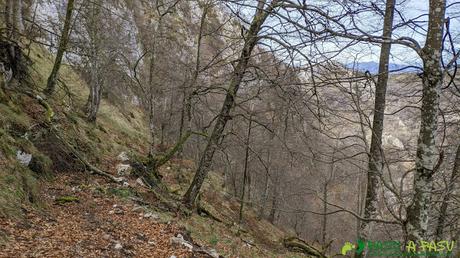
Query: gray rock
[124, 169]
[118, 246]
[151, 215]
[123, 156]
[138, 208]
[179, 240]
[135, 101]
[23, 157]
[119, 179]
[140, 182]
[76, 189]
[213, 253]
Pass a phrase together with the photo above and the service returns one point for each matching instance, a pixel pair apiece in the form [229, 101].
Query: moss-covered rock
[66, 199]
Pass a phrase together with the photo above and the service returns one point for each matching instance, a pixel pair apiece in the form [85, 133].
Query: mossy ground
[21, 128]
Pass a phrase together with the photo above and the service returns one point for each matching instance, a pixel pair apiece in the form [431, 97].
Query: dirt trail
[95, 225]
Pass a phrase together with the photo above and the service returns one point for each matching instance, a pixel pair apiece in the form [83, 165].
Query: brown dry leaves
[91, 227]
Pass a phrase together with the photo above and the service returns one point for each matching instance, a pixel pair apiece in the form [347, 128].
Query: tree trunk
[51, 84]
[152, 151]
[272, 215]
[375, 164]
[265, 192]
[18, 19]
[152, 89]
[96, 61]
[261, 210]
[447, 197]
[13, 18]
[196, 71]
[27, 10]
[151, 103]
[324, 220]
[14, 26]
[427, 154]
[95, 93]
[456, 238]
[3, 98]
[8, 15]
[245, 170]
[224, 115]
[189, 91]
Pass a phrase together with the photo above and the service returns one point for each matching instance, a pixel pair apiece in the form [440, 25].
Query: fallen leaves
[88, 225]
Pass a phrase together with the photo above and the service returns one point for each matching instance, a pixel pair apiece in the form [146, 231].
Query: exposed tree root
[88, 165]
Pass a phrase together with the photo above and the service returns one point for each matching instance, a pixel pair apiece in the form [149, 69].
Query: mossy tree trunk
[427, 154]
[13, 18]
[51, 83]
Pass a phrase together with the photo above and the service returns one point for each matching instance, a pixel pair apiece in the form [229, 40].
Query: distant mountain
[373, 67]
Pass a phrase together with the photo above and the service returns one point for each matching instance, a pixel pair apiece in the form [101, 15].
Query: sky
[415, 10]
[410, 9]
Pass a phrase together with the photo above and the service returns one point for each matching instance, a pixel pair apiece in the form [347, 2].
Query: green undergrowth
[113, 132]
[17, 182]
[22, 128]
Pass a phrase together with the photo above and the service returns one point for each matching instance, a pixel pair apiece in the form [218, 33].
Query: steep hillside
[223, 128]
[67, 211]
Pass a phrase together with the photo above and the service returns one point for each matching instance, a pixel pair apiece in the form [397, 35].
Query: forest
[229, 128]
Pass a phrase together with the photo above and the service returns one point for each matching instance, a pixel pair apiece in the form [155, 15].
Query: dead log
[202, 210]
[295, 244]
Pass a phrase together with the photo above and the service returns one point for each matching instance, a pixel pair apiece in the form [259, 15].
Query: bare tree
[99, 58]
[251, 40]
[189, 91]
[375, 163]
[245, 169]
